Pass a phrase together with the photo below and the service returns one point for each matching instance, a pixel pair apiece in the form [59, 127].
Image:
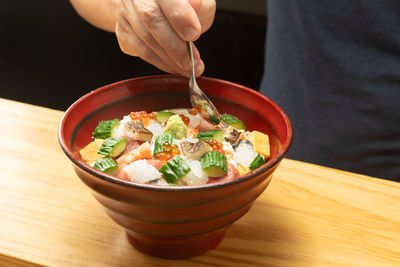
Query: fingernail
[190, 34]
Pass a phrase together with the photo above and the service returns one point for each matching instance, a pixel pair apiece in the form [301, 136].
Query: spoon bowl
[198, 99]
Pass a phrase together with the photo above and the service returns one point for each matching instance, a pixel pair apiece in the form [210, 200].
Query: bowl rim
[109, 178]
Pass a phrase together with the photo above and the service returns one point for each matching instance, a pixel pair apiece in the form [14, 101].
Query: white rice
[161, 181]
[155, 127]
[177, 142]
[141, 172]
[226, 146]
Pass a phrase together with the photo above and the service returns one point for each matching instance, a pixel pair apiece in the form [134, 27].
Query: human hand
[157, 31]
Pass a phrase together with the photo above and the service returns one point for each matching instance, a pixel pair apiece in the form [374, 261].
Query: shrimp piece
[142, 152]
[191, 132]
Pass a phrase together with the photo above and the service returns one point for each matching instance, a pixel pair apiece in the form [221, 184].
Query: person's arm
[155, 30]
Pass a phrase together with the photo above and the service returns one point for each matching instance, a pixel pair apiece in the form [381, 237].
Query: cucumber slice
[112, 146]
[257, 162]
[105, 129]
[174, 169]
[217, 135]
[214, 119]
[163, 116]
[214, 164]
[107, 165]
[160, 141]
[233, 121]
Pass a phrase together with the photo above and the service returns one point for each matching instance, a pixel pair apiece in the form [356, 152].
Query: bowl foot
[176, 248]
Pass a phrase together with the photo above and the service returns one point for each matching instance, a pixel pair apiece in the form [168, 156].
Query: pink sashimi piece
[204, 126]
[132, 144]
[156, 163]
[141, 152]
[121, 174]
[231, 174]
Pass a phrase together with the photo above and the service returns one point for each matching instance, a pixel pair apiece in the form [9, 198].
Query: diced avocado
[233, 121]
[260, 142]
[105, 129]
[112, 146]
[160, 141]
[214, 164]
[107, 165]
[174, 169]
[257, 162]
[217, 135]
[163, 116]
[89, 153]
[176, 126]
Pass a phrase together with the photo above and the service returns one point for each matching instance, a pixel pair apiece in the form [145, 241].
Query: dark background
[50, 56]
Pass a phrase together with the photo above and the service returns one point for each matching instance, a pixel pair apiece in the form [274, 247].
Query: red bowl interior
[166, 91]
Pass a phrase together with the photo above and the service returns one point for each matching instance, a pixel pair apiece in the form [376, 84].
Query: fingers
[132, 45]
[166, 39]
[148, 41]
[182, 17]
[207, 14]
[154, 31]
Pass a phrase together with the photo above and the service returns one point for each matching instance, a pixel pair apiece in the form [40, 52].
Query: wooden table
[308, 216]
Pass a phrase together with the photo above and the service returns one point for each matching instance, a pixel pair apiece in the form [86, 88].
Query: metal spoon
[199, 100]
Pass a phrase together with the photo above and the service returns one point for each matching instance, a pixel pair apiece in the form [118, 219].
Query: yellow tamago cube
[242, 170]
[89, 153]
[260, 143]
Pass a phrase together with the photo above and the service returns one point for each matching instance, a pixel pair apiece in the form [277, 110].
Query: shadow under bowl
[173, 222]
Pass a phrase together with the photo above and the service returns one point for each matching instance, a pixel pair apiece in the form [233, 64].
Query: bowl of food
[172, 180]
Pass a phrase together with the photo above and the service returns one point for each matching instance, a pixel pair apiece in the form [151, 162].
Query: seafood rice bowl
[175, 147]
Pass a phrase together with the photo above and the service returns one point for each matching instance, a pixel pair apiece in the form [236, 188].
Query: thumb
[196, 4]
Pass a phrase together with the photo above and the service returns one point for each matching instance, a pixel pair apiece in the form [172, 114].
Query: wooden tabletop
[308, 216]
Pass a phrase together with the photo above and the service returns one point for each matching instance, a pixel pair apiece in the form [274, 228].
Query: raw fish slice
[131, 145]
[205, 126]
[156, 163]
[139, 131]
[142, 152]
[231, 174]
[141, 172]
[245, 153]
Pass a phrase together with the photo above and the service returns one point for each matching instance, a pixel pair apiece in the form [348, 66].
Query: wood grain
[308, 216]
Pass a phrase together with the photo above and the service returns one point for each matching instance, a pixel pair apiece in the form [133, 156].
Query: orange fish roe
[215, 145]
[193, 111]
[169, 152]
[185, 119]
[143, 116]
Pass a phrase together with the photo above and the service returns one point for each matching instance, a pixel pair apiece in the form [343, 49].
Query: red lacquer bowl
[173, 222]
